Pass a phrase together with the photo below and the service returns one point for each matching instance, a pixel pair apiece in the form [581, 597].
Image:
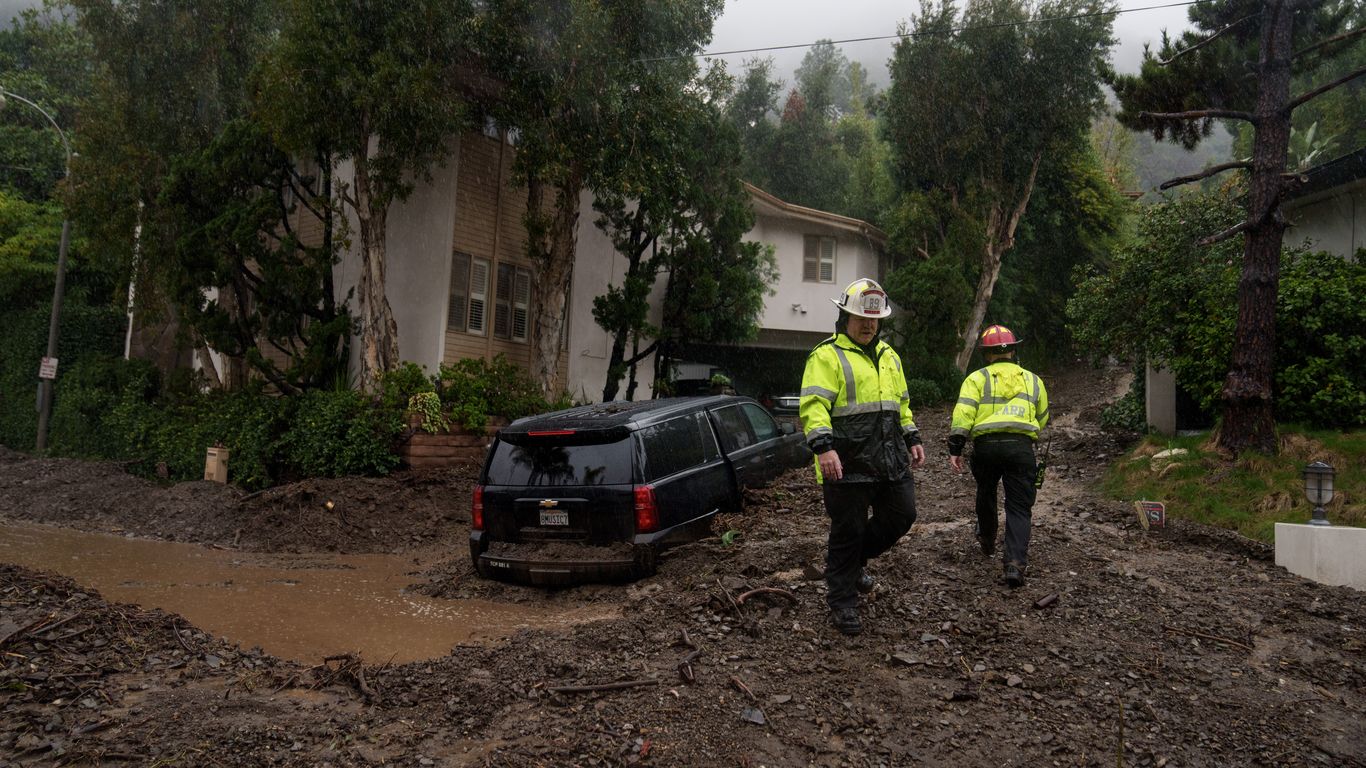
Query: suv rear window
[554, 464]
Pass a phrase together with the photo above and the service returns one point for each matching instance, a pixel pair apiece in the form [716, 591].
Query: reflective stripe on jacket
[859, 403]
[1002, 397]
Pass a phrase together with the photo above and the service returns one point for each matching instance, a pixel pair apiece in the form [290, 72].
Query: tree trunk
[1248, 422]
[551, 241]
[1000, 237]
[378, 331]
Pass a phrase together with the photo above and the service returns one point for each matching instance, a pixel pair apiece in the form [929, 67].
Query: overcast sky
[761, 23]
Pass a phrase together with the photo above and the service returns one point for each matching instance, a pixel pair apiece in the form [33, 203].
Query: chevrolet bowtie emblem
[548, 503]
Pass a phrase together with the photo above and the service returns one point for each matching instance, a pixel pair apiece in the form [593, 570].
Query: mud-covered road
[1183, 647]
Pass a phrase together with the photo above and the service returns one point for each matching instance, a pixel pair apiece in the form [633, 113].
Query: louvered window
[468, 294]
[511, 312]
[818, 259]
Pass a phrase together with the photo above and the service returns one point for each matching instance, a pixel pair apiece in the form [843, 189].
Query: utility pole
[47, 370]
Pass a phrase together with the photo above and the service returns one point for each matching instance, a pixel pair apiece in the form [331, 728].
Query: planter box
[448, 448]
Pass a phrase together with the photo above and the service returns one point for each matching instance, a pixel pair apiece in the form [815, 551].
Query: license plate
[554, 517]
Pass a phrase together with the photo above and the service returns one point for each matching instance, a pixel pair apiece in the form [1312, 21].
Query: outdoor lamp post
[47, 371]
[1318, 488]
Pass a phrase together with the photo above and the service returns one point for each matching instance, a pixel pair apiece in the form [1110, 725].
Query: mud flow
[301, 607]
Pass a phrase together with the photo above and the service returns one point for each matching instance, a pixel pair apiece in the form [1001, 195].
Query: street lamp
[1318, 488]
[47, 371]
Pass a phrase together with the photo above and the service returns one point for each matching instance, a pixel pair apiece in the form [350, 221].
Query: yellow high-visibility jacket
[1002, 397]
[859, 406]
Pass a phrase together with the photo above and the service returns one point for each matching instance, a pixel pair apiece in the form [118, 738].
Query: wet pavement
[301, 607]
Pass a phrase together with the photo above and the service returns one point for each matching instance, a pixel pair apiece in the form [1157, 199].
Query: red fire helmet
[997, 337]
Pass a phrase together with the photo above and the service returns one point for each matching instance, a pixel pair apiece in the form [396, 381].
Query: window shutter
[502, 303]
[459, 296]
[479, 288]
[521, 305]
[827, 259]
[810, 260]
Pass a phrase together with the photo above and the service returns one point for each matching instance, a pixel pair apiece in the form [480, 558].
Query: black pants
[856, 538]
[1009, 460]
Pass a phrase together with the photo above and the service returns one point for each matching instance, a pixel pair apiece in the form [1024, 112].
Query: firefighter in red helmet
[1001, 409]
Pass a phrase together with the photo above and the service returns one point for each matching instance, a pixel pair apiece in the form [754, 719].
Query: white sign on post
[48, 368]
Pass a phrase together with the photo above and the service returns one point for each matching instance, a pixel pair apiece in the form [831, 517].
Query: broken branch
[1330, 41]
[765, 591]
[1206, 41]
[603, 687]
[1205, 174]
[1199, 114]
[1226, 234]
[1202, 635]
[1298, 100]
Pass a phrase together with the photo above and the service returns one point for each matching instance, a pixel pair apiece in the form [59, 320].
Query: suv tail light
[477, 509]
[647, 515]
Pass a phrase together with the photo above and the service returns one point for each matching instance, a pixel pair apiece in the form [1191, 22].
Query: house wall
[419, 236]
[597, 265]
[797, 305]
[1335, 222]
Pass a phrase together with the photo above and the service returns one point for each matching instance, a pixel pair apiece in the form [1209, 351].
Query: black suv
[590, 493]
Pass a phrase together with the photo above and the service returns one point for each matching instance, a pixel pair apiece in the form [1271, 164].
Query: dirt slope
[1180, 648]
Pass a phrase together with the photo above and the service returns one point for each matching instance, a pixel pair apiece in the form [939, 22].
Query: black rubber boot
[1014, 575]
[846, 621]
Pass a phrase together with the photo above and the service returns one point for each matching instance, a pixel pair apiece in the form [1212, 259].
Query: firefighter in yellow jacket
[856, 415]
[1001, 408]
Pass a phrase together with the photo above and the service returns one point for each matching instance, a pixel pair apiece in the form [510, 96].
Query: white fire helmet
[865, 298]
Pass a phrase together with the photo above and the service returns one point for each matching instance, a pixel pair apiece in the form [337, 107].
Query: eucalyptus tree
[372, 83]
[1209, 75]
[572, 75]
[979, 97]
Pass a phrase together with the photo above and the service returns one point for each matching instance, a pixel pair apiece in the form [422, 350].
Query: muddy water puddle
[300, 607]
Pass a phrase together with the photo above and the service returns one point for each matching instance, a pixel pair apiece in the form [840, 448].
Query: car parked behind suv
[591, 493]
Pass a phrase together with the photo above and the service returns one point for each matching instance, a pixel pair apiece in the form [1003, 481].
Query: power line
[875, 38]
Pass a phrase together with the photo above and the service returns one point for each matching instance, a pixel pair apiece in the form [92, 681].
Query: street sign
[1151, 514]
[48, 368]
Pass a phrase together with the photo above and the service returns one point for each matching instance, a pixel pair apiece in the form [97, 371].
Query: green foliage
[472, 389]
[231, 209]
[1253, 493]
[341, 432]
[85, 332]
[1321, 340]
[399, 385]
[1166, 298]
[925, 392]
[985, 107]
[46, 59]
[1129, 413]
[90, 393]
[427, 406]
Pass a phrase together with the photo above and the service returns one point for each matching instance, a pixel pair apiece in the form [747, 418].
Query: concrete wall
[1326, 554]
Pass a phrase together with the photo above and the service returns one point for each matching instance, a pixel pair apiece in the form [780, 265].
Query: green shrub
[91, 390]
[924, 392]
[336, 433]
[400, 384]
[473, 389]
[1321, 340]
